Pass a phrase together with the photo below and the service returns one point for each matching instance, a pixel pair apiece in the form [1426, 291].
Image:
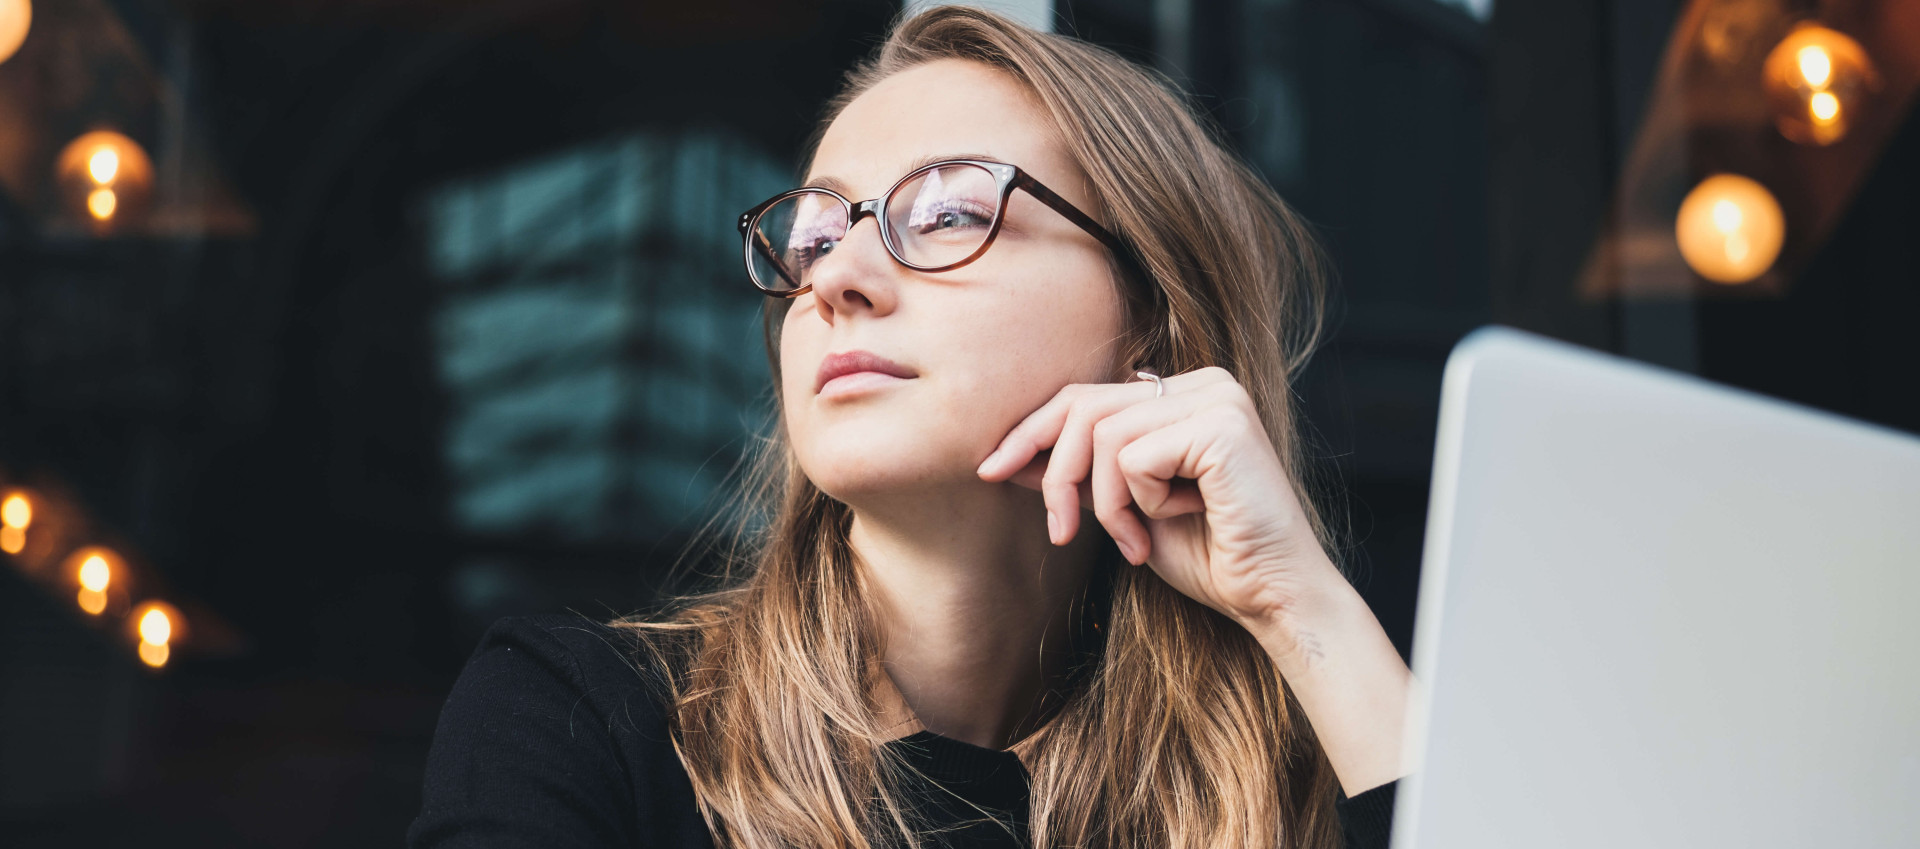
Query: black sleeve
[551, 738]
[1367, 819]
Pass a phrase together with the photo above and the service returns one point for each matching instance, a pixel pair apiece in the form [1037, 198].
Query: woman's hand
[1187, 482]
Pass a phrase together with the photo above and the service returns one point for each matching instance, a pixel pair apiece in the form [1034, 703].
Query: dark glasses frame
[1008, 177]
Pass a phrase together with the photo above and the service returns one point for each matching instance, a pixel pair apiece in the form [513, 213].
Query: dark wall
[256, 419]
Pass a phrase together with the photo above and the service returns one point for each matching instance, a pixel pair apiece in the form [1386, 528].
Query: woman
[1018, 587]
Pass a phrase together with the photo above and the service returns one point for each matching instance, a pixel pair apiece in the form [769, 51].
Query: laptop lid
[1655, 611]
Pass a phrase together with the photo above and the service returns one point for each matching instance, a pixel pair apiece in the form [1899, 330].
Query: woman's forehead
[948, 108]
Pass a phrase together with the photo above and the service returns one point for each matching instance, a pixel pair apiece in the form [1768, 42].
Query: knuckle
[1076, 412]
[1234, 418]
[1232, 392]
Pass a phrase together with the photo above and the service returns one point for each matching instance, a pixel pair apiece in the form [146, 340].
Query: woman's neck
[974, 606]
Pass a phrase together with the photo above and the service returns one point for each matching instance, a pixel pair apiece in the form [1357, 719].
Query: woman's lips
[854, 371]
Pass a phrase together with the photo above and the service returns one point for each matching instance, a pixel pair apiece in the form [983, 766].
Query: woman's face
[985, 344]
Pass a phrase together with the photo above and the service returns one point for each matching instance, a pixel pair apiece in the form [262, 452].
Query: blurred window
[1481, 10]
[596, 339]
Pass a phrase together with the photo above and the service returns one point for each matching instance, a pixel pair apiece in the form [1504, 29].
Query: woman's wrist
[1293, 621]
[1347, 675]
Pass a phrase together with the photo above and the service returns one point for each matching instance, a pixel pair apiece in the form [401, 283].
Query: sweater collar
[899, 721]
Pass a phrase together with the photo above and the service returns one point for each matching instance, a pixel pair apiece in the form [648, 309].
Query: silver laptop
[1655, 611]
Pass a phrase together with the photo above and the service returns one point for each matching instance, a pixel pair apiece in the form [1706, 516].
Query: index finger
[1038, 432]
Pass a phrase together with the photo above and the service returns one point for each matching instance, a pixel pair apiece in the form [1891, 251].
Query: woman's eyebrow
[837, 185]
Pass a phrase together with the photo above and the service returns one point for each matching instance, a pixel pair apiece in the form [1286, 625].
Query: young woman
[1040, 569]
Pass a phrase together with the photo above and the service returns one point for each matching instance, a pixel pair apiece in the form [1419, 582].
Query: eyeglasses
[938, 218]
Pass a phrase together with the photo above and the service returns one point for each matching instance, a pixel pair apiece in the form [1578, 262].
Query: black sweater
[552, 739]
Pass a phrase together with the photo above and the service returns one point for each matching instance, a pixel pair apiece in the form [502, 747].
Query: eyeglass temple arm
[1073, 213]
[765, 248]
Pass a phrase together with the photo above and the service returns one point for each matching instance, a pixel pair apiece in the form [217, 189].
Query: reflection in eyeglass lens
[954, 198]
[818, 222]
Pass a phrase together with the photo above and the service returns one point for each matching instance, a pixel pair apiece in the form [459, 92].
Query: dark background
[452, 326]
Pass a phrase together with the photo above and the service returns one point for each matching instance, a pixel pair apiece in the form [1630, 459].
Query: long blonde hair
[1177, 731]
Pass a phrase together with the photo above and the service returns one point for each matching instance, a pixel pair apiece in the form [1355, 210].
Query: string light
[16, 513]
[103, 165]
[1730, 228]
[157, 625]
[98, 572]
[95, 569]
[1817, 81]
[107, 173]
[95, 575]
[101, 204]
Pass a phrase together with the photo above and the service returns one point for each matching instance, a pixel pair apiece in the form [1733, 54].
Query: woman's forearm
[1347, 676]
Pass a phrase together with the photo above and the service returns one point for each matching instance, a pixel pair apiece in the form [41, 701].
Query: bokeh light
[97, 570]
[104, 165]
[106, 175]
[16, 17]
[101, 203]
[157, 626]
[16, 511]
[1730, 229]
[95, 574]
[154, 655]
[1817, 81]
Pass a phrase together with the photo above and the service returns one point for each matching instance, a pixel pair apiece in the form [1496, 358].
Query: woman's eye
[806, 252]
[810, 254]
[951, 218]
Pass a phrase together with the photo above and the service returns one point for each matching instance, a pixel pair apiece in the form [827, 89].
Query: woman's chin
[876, 471]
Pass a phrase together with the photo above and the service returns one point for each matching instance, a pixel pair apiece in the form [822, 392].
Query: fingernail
[1053, 528]
[985, 463]
[1126, 550]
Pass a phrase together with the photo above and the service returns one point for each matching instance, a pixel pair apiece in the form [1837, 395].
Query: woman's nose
[857, 276]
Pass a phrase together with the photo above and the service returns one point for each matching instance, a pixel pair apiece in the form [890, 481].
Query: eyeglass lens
[939, 217]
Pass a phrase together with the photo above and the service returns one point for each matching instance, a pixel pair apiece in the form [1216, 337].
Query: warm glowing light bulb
[12, 540]
[16, 17]
[1824, 106]
[95, 573]
[1726, 216]
[1817, 79]
[106, 179]
[103, 165]
[101, 203]
[16, 511]
[155, 627]
[93, 601]
[1816, 67]
[1730, 229]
